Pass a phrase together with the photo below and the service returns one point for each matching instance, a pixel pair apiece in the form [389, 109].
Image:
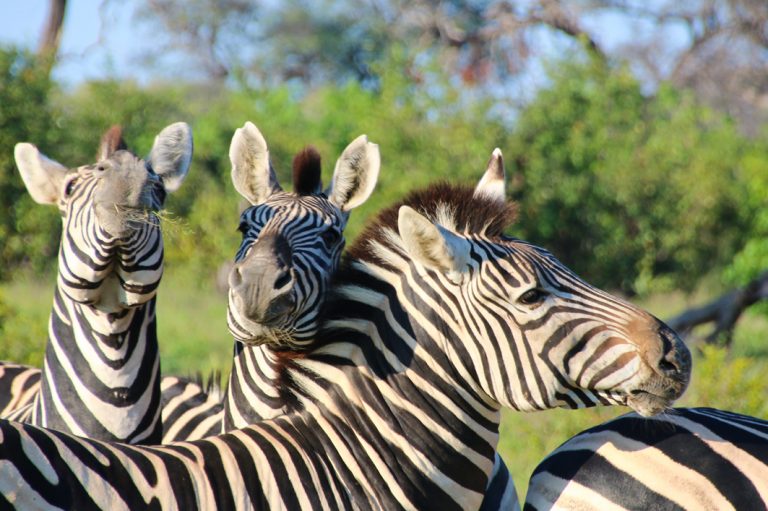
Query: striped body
[18, 386]
[397, 403]
[101, 370]
[687, 458]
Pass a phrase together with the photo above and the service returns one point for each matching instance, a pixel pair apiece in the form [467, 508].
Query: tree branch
[724, 311]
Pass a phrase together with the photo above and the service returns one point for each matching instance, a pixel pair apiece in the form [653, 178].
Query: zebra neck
[254, 390]
[384, 379]
[101, 372]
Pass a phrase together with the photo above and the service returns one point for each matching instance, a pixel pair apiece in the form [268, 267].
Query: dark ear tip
[111, 141]
[306, 171]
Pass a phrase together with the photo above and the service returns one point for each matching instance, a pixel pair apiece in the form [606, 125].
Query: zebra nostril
[668, 368]
[282, 280]
[235, 277]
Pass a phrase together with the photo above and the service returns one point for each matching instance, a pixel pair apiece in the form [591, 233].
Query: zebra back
[685, 458]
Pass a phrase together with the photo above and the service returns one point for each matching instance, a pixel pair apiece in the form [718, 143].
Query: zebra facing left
[101, 372]
[436, 321]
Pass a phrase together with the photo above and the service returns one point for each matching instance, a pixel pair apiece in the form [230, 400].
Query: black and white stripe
[685, 458]
[18, 386]
[397, 403]
[100, 376]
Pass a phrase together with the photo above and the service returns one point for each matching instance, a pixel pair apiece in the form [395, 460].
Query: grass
[193, 337]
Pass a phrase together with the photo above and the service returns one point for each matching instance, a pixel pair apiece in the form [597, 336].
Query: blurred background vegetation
[642, 165]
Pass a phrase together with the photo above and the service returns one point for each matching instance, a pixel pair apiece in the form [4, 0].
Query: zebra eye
[69, 187]
[330, 237]
[243, 227]
[533, 296]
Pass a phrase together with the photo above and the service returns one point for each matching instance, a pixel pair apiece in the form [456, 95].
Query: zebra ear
[171, 154]
[355, 175]
[252, 173]
[111, 141]
[42, 177]
[493, 184]
[433, 246]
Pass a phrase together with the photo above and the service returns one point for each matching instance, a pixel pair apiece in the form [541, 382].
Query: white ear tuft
[252, 173]
[171, 154]
[431, 245]
[42, 177]
[355, 175]
[493, 184]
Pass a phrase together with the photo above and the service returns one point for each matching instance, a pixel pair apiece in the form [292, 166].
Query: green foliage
[27, 231]
[632, 192]
[752, 258]
[420, 141]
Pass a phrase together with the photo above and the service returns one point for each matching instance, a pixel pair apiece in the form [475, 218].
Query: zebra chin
[256, 334]
[656, 394]
[648, 404]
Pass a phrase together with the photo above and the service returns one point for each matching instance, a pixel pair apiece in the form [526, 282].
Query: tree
[51, 36]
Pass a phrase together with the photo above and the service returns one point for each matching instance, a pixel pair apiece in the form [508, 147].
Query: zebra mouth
[648, 404]
[266, 335]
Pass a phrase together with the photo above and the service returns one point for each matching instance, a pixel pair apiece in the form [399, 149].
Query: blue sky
[94, 44]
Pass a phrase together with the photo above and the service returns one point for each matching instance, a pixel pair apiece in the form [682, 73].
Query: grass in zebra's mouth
[170, 224]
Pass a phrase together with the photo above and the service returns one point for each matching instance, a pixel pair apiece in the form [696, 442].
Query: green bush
[632, 192]
[28, 232]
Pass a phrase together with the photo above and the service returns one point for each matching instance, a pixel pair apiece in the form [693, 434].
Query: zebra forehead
[455, 207]
[289, 207]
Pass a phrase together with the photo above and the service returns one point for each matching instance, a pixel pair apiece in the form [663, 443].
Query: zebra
[297, 239]
[291, 245]
[100, 375]
[685, 458]
[435, 321]
[251, 394]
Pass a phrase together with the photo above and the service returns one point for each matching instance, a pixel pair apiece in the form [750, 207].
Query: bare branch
[724, 311]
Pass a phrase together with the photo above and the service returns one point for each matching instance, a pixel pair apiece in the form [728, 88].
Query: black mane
[306, 171]
[472, 214]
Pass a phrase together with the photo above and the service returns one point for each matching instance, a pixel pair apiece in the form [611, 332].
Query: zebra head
[111, 252]
[521, 328]
[292, 242]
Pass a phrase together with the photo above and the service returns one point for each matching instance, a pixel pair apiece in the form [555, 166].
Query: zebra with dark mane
[435, 322]
[685, 458]
[252, 394]
[101, 372]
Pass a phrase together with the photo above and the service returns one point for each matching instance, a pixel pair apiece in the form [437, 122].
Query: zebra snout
[262, 291]
[675, 360]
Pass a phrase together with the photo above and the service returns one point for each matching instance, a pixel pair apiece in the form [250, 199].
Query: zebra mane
[306, 172]
[455, 207]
